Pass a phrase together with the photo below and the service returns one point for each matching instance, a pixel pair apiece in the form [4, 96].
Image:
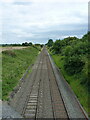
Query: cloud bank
[38, 20]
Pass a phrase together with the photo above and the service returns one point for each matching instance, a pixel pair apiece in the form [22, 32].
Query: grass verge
[74, 81]
[14, 65]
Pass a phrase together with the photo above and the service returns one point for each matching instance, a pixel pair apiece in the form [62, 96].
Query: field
[10, 48]
[14, 64]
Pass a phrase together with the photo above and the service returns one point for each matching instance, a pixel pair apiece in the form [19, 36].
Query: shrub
[10, 53]
[57, 46]
[50, 43]
[73, 64]
[68, 51]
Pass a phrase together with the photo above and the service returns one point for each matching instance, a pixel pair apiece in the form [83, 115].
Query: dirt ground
[10, 48]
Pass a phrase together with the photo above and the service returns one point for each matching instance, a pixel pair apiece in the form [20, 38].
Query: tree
[73, 64]
[50, 43]
[68, 51]
[27, 44]
[30, 44]
[57, 46]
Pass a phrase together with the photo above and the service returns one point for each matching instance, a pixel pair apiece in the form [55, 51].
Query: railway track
[36, 106]
[30, 107]
[59, 109]
[39, 96]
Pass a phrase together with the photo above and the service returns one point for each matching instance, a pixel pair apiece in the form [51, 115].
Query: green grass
[0, 90]
[79, 89]
[14, 64]
[0, 76]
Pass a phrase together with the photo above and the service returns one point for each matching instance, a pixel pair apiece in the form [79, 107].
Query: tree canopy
[50, 43]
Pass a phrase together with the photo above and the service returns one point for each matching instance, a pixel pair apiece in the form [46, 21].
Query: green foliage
[50, 43]
[27, 44]
[68, 51]
[73, 65]
[71, 55]
[57, 46]
[86, 37]
[7, 45]
[37, 46]
[42, 45]
[75, 81]
[81, 48]
[74, 50]
[9, 53]
[70, 40]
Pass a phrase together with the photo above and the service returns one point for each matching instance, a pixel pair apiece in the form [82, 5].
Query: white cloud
[37, 16]
[44, 1]
[7, 1]
[20, 33]
[65, 36]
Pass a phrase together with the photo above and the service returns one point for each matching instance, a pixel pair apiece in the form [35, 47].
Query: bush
[57, 46]
[68, 51]
[10, 53]
[50, 43]
[73, 65]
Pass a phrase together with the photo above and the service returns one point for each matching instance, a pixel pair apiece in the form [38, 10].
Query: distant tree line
[27, 44]
[22, 44]
[4, 45]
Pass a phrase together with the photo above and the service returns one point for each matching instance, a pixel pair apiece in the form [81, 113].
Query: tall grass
[14, 65]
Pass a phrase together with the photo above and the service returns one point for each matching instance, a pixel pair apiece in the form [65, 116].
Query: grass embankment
[80, 90]
[14, 64]
[0, 76]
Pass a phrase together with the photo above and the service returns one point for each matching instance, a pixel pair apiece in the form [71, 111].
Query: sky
[37, 21]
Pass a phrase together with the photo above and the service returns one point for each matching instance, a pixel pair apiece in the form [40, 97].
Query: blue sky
[38, 20]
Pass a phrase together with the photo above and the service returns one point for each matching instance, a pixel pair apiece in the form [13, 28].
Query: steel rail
[32, 89]
[49, 65]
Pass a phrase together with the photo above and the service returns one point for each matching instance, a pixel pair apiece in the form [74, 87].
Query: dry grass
[10, 48]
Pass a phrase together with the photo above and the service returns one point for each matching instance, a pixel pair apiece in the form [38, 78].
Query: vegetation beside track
[71, 57]
[0, 76]
[14, 64]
